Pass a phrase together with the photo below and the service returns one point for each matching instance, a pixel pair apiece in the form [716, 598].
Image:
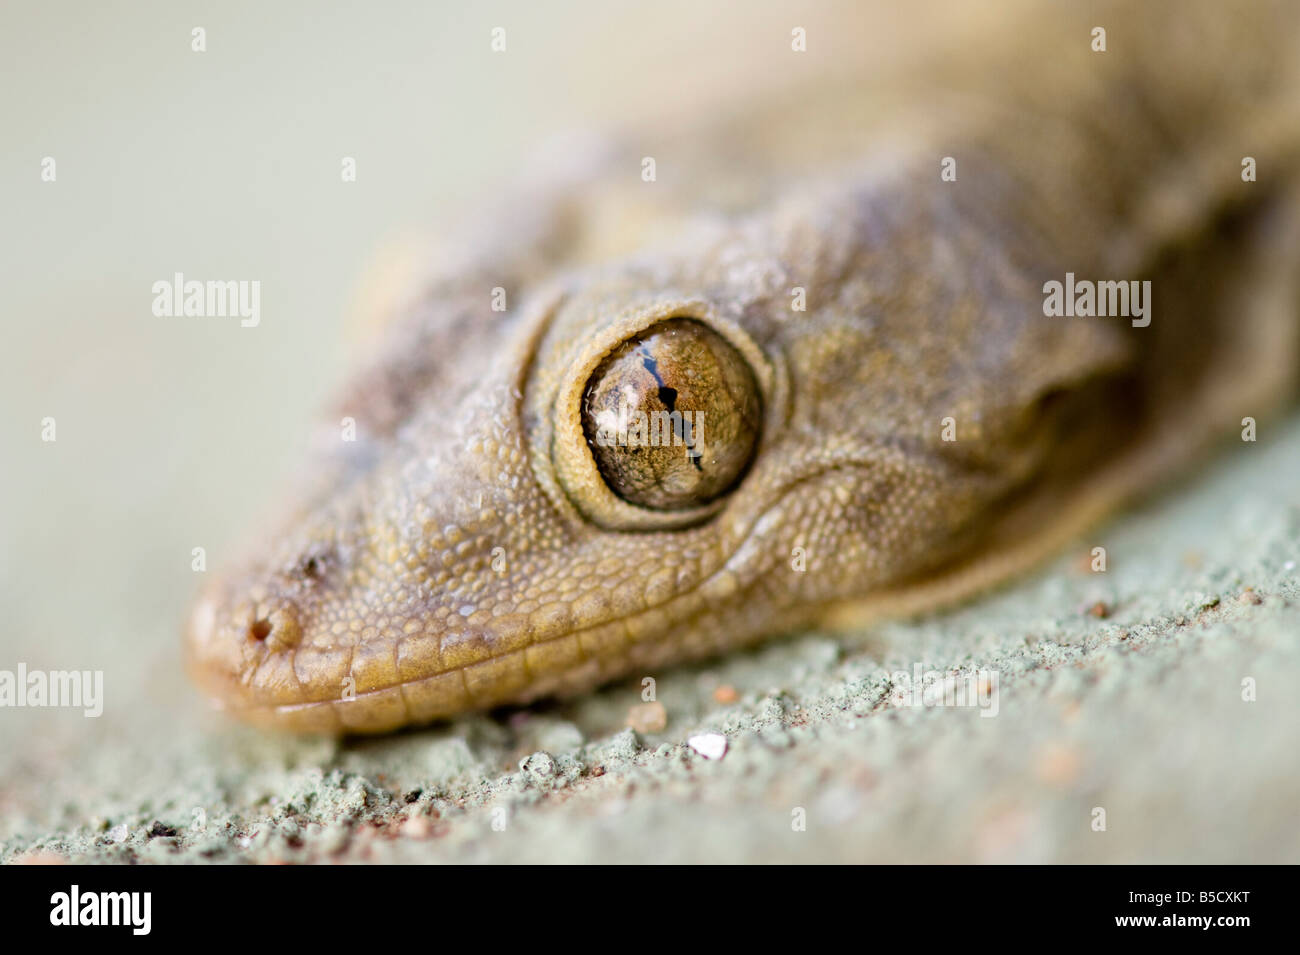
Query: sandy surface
[174, 434]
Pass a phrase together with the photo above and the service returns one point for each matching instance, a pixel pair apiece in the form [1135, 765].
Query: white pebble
[709, 745]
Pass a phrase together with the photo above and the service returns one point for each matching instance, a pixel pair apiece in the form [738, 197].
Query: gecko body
[891, 416]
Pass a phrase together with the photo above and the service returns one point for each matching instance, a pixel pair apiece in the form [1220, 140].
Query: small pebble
[647, 717]
[726, 693]
[709, 745]
[539, 765]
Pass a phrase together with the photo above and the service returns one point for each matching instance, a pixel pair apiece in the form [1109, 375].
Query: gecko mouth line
[721, 582]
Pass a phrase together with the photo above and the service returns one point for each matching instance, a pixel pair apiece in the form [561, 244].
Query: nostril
[277, 630]
[314, 565]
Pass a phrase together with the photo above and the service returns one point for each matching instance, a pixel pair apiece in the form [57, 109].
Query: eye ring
[576, 469]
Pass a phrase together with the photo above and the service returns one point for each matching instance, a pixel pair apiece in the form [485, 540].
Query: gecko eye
[672, 416]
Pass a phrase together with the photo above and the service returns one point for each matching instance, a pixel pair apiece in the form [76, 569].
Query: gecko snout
[247, 626]
[234, 641]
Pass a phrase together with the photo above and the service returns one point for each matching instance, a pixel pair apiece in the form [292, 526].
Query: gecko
[803, 373]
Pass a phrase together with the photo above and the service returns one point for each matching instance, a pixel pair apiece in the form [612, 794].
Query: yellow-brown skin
[467, 550]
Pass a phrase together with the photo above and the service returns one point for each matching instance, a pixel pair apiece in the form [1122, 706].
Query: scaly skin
[465, 552]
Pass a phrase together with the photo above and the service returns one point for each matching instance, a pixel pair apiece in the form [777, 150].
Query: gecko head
[647, 463]
[523, 528]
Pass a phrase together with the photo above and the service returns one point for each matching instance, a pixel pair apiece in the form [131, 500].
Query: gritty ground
[1120, 691]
